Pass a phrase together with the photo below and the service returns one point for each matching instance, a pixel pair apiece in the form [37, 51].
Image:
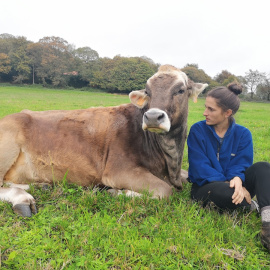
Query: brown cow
[125, 147]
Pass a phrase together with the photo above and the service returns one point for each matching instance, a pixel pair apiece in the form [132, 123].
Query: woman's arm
[202, 168]
[243, 157]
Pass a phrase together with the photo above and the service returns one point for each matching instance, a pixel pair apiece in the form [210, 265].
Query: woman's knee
[258, 172]
[220, 193]
[260, 166]
[217, 191]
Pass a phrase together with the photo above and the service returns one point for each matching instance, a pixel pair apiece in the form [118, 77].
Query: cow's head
[165, 98]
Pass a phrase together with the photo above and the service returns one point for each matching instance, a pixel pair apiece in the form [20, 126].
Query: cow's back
[53, 143]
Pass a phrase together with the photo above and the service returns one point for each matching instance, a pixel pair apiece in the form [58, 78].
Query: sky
[217, 35]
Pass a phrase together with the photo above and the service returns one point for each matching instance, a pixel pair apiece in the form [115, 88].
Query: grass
[82, 228]
[14, 99]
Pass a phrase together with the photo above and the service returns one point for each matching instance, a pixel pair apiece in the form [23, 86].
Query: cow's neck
[172, 146]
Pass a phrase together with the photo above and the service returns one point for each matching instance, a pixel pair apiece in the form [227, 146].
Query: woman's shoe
[265, 235]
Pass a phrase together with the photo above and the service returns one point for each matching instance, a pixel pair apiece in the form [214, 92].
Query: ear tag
[140, 101]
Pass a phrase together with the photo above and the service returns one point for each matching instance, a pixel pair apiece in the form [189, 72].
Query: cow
[131, 147]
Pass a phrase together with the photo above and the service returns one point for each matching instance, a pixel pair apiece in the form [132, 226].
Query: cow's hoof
[25, 210]
[33, 208]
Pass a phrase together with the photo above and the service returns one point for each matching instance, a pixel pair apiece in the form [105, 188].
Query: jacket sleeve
[242, 158]
[201, 168]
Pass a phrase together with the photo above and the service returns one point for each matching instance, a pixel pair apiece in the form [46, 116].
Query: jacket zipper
[220, 144]
[218, 148]
[218, 151]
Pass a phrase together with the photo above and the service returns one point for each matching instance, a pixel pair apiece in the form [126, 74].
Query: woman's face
[214, 115]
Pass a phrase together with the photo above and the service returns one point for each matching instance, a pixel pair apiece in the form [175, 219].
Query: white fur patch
[128, 193]
[180, 76]
[15, 196]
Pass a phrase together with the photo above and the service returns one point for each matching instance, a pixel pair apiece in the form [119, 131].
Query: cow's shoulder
[13, 121]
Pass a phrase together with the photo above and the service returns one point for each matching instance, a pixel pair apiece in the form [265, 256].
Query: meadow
[84, 228]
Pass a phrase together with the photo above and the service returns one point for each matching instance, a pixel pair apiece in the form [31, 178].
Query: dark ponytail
[236, 88]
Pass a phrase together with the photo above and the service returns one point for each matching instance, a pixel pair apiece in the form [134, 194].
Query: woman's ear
[228, 113]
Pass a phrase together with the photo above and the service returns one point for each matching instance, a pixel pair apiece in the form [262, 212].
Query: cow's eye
[147, 93]
[181, 91]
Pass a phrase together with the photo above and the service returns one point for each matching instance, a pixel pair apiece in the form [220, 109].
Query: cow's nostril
[161, 116]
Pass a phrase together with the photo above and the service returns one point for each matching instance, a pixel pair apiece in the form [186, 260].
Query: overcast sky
[217, 35]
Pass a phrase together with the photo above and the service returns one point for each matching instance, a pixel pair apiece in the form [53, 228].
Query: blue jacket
[210, 160]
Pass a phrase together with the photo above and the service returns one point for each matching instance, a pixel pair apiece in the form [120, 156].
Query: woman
[220, 156]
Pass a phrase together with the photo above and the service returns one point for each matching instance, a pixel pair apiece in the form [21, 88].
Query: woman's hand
[247, 195]
[239, 192]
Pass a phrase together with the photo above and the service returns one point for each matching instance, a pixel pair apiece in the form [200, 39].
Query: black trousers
[257, 183]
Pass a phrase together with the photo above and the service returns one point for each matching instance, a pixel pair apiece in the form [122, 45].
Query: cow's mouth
[156, 130]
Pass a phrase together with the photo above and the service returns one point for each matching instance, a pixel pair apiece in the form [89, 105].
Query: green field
[81, 228]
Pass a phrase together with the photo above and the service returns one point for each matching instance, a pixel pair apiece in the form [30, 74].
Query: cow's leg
[23, 203]
[9, 152]
[139, 180]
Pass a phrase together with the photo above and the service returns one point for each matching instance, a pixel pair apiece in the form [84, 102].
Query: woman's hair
[227, 97]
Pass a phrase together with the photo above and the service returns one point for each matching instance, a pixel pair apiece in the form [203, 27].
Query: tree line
[52, 61]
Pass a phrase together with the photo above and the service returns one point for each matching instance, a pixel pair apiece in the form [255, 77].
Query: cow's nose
[154, 117]
[156, 120]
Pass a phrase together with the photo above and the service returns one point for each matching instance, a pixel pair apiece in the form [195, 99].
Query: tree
[229, 80]
[4, 63]
[86, 54]
[263, 90]
[253, 79]
[15, 49]
[192, 65]
[130, 73]
[102, 76]
[34, 51]
[56, 60]
[86, 64]
[196, 74]
[122, 73]
[267, 86]
[225, 77]
[150, 61]
[6, 41]
[19, 59]
[56, 44]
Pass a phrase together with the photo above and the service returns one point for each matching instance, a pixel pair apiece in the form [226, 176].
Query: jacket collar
[229, 130]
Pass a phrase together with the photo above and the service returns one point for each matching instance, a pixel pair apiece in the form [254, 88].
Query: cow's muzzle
[156, 120]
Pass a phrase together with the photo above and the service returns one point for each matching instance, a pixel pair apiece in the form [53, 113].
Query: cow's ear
[139, 98]
[195, 89]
